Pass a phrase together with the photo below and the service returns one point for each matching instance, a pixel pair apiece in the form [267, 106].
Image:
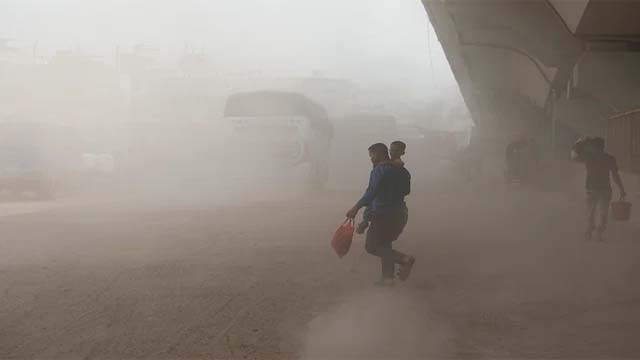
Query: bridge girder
[517, 61]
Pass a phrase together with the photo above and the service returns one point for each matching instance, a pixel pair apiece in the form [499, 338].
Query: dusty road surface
[500, 274]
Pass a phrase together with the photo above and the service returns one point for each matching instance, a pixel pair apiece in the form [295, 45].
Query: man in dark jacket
[396, 151]
[600, 167]
[388, 186]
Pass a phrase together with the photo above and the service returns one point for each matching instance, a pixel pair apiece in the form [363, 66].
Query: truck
[281, 129]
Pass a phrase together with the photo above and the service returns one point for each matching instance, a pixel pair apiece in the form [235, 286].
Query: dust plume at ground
[376, 325]
[260, 281]
[161, 224]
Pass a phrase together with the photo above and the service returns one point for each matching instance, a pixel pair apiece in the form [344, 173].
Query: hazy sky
[379, 41]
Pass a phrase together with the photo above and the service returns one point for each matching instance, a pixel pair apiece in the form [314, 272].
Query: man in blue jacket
[388, 185]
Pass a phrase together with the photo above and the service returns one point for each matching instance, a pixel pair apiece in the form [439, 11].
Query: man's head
[396, 149]
[597, 144]
[378, 153]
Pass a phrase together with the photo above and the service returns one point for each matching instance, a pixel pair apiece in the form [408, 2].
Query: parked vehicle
[281, 128]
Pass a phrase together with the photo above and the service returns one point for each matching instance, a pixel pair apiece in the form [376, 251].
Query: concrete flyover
[555, 69]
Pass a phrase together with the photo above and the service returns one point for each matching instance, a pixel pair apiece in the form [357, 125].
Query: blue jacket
[388, 185]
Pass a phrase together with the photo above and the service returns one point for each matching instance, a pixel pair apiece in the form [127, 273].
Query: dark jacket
[388, 185]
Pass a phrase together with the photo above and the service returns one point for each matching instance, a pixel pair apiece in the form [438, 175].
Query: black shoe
[405, 269]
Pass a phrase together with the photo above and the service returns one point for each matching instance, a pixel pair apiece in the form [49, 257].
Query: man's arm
[372, 190]
[577, 150]
[576, 157]
[616, 177]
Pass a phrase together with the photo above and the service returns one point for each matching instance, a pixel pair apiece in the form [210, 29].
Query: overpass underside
[554, 69]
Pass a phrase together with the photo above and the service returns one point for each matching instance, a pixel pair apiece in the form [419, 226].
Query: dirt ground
[501, 273]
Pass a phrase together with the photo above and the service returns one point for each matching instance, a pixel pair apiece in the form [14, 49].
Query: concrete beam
[506, 56]
[610, 19]
[571, 11]
[447, 35]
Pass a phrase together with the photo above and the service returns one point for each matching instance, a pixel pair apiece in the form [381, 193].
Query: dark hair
[379, 149]
[598, 143]
[400, 144]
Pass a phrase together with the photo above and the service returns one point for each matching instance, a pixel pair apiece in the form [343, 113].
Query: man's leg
[387, 258]
[592, 202]
[400, 221]
[378, 244]
[604, 201]
[406, 261]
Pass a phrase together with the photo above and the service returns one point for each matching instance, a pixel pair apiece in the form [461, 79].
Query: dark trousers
[598, 203]
[386, 226]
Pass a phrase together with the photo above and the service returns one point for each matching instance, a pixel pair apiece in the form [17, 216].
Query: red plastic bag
[341, 242]
[621, 210]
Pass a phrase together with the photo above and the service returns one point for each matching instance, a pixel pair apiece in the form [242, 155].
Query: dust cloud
[377, 325]
[140, 109]
[171, 173]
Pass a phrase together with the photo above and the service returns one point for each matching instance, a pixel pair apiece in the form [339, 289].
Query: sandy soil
[500, 274]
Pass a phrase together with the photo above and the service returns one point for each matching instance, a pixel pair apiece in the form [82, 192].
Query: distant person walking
[521, 160]
[600, 166]
[469, 163]
[388, 186]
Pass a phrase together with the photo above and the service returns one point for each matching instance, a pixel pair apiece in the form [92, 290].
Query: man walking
[396, 151]
[600, 166]
[388, 185]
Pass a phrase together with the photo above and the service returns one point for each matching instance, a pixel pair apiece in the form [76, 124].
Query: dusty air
[298, 179]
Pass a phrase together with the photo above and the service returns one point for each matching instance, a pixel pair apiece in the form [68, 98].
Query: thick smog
[319, 180]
